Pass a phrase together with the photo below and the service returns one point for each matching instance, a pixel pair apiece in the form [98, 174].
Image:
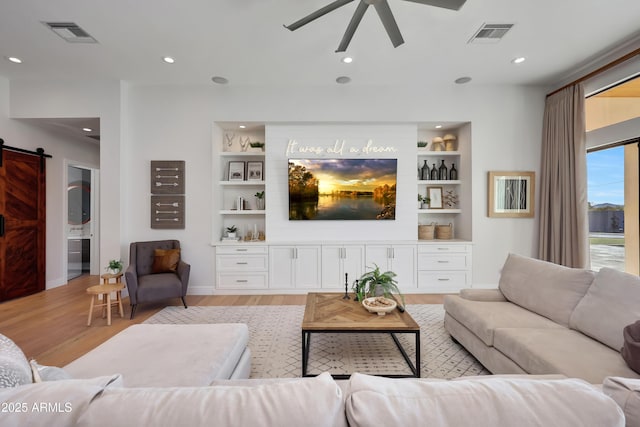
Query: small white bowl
[380, 309]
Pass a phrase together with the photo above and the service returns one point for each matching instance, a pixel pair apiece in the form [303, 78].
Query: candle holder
[346, 286]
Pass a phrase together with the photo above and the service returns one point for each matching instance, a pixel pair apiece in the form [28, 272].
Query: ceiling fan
[384, 12]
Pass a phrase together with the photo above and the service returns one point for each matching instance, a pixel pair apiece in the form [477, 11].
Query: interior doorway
[82, 221]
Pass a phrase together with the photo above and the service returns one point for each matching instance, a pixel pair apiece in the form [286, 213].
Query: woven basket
[426, 232]
[444, 231]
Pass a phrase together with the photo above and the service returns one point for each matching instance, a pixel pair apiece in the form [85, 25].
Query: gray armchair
[146, 286]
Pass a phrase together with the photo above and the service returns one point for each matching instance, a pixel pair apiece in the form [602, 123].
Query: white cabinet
[241, 267]
[293, 267]
[401, 259]
[444, 267]
[338, 260]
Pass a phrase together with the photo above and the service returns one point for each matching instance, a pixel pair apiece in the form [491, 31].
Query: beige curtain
[564, 225]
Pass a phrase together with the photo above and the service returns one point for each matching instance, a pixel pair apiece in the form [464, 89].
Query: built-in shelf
[437, 153]
[242, 183]
[241, 153]
[439, 182]
[244, 212]
[440, 211]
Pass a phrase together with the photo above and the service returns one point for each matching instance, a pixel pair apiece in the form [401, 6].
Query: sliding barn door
[22, 224]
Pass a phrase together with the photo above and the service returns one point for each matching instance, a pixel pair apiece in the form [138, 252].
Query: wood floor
[51, 326]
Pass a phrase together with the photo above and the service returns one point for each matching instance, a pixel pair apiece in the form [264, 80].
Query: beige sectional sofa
[548, 319]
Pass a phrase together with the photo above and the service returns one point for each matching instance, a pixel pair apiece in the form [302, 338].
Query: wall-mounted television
[342, 189]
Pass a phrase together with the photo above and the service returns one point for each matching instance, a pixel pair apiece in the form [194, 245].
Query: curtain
[564, 225]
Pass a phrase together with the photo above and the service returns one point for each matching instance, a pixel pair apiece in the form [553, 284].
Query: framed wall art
[435, 196]
[254, 171]
[511, 194]
[236, 171]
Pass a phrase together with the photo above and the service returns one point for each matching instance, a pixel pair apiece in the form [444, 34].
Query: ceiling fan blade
[317, 14]
[353, 25]
[389, 22]
[447, 4]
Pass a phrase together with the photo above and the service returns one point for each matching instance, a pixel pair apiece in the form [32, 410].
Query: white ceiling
[245, 41]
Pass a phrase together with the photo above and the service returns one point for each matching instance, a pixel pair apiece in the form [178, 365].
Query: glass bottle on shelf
[434, 173]
[442, 172]
[425, 171]
[453, 173]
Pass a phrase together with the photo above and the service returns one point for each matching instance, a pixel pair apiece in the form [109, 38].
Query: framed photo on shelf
[511, 194]
[236, 171]
[254, 171]
[435, 196]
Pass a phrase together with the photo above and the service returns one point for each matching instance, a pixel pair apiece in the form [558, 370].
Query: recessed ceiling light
[518, 60]
[219, 80]
[168, 60]
[462, 80]
[242, 127]
[87, 129]
[347, 60]
[14, 59]
[343, 80]
[438, 126]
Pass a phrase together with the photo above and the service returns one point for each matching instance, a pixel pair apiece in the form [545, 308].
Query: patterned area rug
[275, 343]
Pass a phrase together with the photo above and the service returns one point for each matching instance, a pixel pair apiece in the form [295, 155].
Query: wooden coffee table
[329, 313]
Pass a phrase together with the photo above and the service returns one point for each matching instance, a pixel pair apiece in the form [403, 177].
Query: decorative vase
[425, 171]
[434, 173]
[442, 172]
[453, 173]
[260, 204]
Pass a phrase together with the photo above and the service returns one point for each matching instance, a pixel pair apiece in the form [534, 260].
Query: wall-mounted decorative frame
[255, 171]
[236, 171]
[435, 196]
[167, 212]
[167, 176]
[511, 194]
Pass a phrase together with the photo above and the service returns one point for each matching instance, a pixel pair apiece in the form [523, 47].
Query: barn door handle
[1, 225]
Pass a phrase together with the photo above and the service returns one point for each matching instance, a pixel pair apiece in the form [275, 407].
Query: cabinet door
[281, 267]
[332, 275]
[352, 263]
[404, 265]
[307, 266]
[379, 255]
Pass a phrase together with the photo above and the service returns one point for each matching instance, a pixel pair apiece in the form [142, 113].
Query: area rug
[275, 343]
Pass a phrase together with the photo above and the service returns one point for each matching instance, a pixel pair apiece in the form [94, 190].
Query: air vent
[490, 33]
[71, 32]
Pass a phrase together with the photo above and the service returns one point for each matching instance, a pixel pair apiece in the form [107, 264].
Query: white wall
[63, 148]
[164, 123]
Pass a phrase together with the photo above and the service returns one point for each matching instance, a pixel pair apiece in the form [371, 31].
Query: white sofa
[548, 319]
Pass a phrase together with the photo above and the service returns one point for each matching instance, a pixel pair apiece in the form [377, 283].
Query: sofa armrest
[183, 272]
[131, 277]
[493, 295]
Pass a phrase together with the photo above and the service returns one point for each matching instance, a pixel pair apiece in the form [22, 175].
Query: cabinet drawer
[442, 262]
[241, 250]
[442, 280]
[241, 262]
[242, 280]
[442, 248]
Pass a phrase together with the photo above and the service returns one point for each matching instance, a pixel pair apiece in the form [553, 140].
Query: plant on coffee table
[375, 283]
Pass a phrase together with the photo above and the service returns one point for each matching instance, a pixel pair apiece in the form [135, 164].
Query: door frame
[94, 268]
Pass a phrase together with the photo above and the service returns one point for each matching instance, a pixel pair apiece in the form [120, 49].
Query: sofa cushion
[483, 317]
[561, 351]
[157, 355]
[626, 393]
[550, 290]
[305, 402]
[52, 403]
[490, 402]
[611, 303]
[14, 366]
[165, 260]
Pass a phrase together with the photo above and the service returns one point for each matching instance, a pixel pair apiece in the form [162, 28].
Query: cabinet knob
[241, 281]
[442, 279]
[443, 262]
[242, 263]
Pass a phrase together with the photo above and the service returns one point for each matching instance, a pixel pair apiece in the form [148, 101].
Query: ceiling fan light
[347, 60]
[343, 80]
[518, 60]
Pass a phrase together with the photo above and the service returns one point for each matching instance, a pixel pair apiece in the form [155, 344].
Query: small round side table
[105, 289]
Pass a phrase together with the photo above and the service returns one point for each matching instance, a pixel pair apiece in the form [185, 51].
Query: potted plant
[422, 144]
[231, 231]
[423, 201]
[376, 283]
[257, 144]
[420, 201]
[260, 200]
[115, 266]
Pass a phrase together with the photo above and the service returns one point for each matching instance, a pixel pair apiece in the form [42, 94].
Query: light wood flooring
[51, 326]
